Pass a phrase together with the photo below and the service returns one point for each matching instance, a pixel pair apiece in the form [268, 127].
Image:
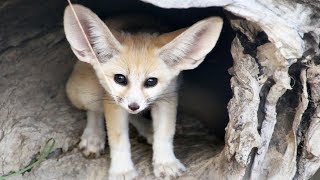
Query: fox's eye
[120, 79]
[150, 82]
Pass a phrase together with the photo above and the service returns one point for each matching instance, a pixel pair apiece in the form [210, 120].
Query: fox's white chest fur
[132, 72]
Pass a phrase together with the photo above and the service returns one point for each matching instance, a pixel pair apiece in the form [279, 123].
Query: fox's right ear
[104, 44]
[187, 48]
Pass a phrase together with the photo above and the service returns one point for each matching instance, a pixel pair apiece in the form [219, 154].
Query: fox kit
[128, 73]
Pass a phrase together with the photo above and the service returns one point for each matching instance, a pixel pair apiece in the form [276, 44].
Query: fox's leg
[85, 92]
[143, 125]
[94, 137]
[165, 162]
[121, 166]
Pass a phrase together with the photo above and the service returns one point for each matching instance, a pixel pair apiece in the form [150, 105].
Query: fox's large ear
[104, 44]
[187, 49]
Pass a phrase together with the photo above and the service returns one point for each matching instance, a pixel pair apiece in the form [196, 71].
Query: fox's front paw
[92, 144]
[128, 175]
[169, 169]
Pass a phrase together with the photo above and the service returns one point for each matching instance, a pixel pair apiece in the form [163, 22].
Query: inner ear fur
[104, 44]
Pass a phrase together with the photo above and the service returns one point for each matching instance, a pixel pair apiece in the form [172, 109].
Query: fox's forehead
[139, 54]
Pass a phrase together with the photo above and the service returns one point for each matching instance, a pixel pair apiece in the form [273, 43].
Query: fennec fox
[132, 72]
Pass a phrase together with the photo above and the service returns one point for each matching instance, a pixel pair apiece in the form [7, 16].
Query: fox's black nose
[133, 106]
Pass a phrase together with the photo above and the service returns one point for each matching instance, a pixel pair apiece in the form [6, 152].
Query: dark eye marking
[150, 82]
[120, 79]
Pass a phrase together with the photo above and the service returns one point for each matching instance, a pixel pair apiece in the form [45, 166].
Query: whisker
[95, 94]
[102, 99]
[90, 93]
[162, 97]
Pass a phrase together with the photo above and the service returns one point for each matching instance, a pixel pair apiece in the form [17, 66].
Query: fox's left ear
[188, 49]
[100, 38]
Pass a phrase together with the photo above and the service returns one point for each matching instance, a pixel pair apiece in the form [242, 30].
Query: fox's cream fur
[136, 57]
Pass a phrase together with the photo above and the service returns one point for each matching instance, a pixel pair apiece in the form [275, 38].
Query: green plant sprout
[42, 156]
